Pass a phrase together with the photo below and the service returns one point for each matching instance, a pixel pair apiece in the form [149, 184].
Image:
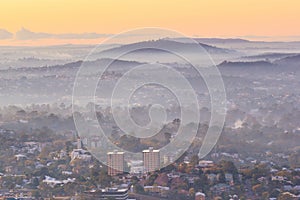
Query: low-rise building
[200, 196]
[81, 154]
[161, 190]
[114, 193]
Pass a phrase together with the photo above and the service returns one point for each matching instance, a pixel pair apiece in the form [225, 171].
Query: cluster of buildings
[151, 162]
[183, 177]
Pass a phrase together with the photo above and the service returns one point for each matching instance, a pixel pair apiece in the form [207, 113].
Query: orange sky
[205, 18]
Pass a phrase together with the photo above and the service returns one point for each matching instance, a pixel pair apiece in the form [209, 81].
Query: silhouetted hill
[290, 60]
[268, 56]
[221, 40]
[158, 45]
[210, 40]
[245, 64]
[117, 64]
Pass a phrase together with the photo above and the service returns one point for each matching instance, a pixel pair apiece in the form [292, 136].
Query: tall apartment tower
[79, 143]
[151, 159]
[115, 163]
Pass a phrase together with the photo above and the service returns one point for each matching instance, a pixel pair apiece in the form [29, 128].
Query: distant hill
[152, 51]
[116, 64]
[290, 60]
[210, 40]
[257, 69]
[261, 67]
[245, 64]
[268, 56]
[222, 40]
[155, 45]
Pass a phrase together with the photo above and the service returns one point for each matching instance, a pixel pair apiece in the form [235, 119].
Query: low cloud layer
[25, 34]
[4, 34]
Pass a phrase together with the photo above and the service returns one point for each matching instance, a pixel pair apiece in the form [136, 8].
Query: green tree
[192, 193]
[265, 195]
[221, 177]
[139, 189]
[105, 179]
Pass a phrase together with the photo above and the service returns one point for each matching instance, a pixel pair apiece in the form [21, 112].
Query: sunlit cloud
[4, 34]
[26, 34]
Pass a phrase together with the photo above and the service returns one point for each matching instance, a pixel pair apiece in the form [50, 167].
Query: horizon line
[48, 42]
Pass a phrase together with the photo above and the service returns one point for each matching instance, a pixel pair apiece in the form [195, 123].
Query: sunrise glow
[216, 18]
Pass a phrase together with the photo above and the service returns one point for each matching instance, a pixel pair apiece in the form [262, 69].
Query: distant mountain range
[118, 64]
[286, 62]
[221, 40]
[268, 56]
[212, 40]
[153, 51]
[230, 40]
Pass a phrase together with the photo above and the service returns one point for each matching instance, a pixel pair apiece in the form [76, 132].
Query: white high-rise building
[151, 159]
[115, 163]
